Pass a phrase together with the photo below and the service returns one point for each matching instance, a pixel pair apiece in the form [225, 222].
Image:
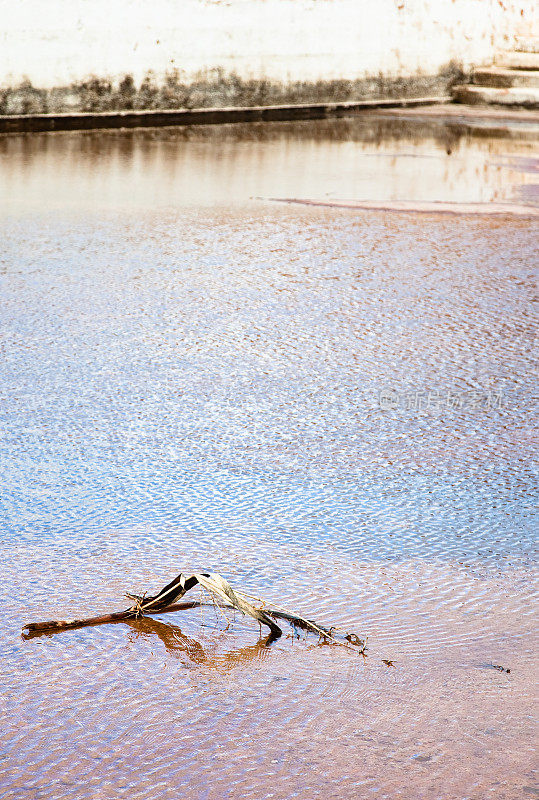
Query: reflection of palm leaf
[178, 644]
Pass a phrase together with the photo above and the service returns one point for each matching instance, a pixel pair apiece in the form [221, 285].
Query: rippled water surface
[333, 408]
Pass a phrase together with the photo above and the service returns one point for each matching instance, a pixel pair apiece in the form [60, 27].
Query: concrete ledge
[483, 95]
[517, 60]
[501, 78]
[527, 44]
[33, 123]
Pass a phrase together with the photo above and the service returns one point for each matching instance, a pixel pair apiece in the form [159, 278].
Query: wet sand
[488, 209]
[332, 407]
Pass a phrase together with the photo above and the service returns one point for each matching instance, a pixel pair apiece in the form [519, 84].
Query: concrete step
[516, 60]
[527, 44]
[500, 78]
[483, 95]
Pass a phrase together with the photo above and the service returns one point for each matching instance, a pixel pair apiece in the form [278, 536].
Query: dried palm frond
[166, 601]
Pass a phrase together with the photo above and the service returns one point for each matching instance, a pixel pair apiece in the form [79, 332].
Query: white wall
[54, 42]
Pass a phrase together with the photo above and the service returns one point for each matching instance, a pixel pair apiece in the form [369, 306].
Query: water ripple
[183, 391]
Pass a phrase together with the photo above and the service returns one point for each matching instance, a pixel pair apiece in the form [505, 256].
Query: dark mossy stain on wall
[215, 89]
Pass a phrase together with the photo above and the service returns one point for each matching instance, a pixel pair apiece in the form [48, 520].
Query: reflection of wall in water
[336, 159]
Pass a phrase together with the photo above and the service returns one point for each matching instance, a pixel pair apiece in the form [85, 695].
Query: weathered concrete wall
[99, 55]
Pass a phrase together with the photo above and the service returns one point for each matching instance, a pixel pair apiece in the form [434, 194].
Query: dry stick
[172, 591]
[36, 628]
[163, 602]
[39, 628]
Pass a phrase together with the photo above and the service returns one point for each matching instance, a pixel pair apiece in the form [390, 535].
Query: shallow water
[333, 408]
